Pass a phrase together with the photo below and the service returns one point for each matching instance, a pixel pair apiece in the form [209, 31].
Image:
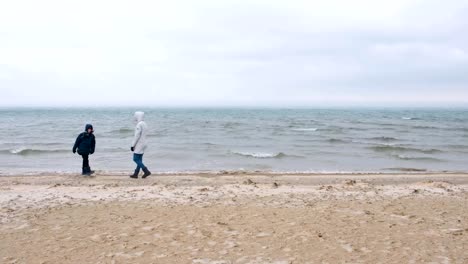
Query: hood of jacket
[88, 126]
[139, 116]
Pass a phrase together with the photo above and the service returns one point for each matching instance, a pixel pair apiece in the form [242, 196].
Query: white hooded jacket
[141, 130]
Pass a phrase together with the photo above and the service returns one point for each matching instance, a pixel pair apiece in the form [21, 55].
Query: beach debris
[11, 260]
[263, 234]
[148, 228]
[136, 190]
[110, 185]
[275, 185]
[286, 249]
[327, 188]
[443, 185]
[456, 231]
[350, 182]
[347, 247]
[209, 261]
[416, 191]
[96, 238]
[203, 189]
[206, 233]
[249, 182]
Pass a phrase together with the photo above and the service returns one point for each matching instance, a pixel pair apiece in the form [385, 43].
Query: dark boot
[87, 171]
[147, 172]
[135, 174]
[83, 171]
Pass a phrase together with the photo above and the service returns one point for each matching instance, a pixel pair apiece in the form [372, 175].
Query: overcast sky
[247, 53]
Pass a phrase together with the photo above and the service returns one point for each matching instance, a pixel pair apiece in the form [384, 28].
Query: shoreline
[234, 172]
[236, 177]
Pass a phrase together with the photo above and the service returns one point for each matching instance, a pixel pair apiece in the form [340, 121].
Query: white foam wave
[305, 129]
[260, 155]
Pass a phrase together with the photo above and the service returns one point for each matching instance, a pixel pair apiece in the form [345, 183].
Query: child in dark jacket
[85, 143]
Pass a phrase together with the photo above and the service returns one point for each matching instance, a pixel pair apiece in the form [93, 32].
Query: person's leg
[137, 160]
[145, 169]
[86, 161]
[88, 167]
[141, 161]
[85, 164]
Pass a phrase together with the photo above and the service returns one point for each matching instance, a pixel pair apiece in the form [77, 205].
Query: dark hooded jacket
[85, 142]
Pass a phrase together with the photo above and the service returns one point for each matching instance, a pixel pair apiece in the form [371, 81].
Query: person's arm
[93, 145]
[77, 143]
[137, 136]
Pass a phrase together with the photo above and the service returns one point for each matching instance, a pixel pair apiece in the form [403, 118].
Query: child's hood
[88, 126]
[139, 116]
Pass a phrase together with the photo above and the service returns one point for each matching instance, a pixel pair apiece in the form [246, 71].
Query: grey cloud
[246, 53]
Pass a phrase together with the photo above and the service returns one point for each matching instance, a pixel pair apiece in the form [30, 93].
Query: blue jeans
[138, 159]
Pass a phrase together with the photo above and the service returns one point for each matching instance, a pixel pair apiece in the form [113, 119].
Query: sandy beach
[235, 218]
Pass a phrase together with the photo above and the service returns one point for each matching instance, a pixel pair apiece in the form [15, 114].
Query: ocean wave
[305, 129]
[376, 123]
[457, 148]
[261, 155]
[410, 118]
[384, 138]
[336, 140]
[406, 169]
[334, 129]
[157, 135]
[425, 127]
[397, 148]
[404, 157]
[357, 128]
[231, 124]
[31, 151]
[123, 130]
[209, 144]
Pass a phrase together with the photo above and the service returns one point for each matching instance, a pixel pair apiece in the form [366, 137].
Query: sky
[234, 53]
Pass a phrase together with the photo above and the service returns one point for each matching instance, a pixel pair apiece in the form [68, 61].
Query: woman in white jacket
[139, 145]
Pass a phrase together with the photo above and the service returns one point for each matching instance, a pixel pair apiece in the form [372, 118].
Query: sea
[214, 140]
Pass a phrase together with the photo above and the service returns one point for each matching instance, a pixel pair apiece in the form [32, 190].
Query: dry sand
[239, 218]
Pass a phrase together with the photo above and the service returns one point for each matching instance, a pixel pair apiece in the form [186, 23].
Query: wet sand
[235, 218]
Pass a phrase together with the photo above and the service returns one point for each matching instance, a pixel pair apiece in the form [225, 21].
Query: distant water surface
[281, 140]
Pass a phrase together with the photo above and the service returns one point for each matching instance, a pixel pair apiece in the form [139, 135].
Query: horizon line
[452, 106]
